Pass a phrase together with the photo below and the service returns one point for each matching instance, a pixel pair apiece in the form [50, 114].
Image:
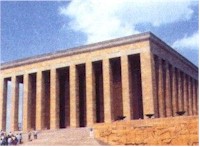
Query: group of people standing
[10, 138]
[15, 138]
[32, 133]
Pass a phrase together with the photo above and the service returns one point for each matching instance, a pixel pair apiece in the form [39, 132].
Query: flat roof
[96, 46]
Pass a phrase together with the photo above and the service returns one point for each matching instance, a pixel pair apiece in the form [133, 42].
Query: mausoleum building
[138, 77]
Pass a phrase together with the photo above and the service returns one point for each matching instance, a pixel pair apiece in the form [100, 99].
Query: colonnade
[80, 95]
[176, 91]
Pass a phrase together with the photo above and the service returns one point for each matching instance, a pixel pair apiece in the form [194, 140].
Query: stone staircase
[63, 137]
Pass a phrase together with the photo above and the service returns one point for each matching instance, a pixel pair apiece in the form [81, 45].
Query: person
[2, 133]
[2, 136]
[91, 133]
[9, 140]
[20, 138]
[29, 136]
[10, 133]
[14, 138]
[6, 139]
[35, 134]
[1, 141]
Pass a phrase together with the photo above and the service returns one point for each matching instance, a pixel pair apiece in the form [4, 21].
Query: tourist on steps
[29, 136]
[20, 138]
[1, 141]
[9, 140]
[35, 134]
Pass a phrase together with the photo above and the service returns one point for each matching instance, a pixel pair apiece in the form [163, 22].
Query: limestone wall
[163, 131]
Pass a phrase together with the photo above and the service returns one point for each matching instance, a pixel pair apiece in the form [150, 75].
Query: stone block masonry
[160, 131]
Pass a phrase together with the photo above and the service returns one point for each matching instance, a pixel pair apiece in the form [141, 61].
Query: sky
[30, 28]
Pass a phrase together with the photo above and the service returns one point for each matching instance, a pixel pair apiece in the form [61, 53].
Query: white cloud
[188, 42]
[106, 19]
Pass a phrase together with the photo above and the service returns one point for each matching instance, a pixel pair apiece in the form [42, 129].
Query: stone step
[68, 136]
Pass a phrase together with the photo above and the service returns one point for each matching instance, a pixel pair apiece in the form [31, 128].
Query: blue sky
[33, 28]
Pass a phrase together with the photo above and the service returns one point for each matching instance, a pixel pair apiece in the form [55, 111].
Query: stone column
[197, 96]
[26, 104]
[39, 102]
[194, 98]
[180, 92]
[161, 89]
[168, 94]
[74, 102]
[14, 104]
[185, 94]
[148, 82]
[126, 87]
[54, 100]
[156, 65]
[90, 95]
[190, 95]
[3, 103]
[107, 91]
[175, 92]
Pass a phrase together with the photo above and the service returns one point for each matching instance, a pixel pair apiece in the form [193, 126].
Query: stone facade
[135, 76]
